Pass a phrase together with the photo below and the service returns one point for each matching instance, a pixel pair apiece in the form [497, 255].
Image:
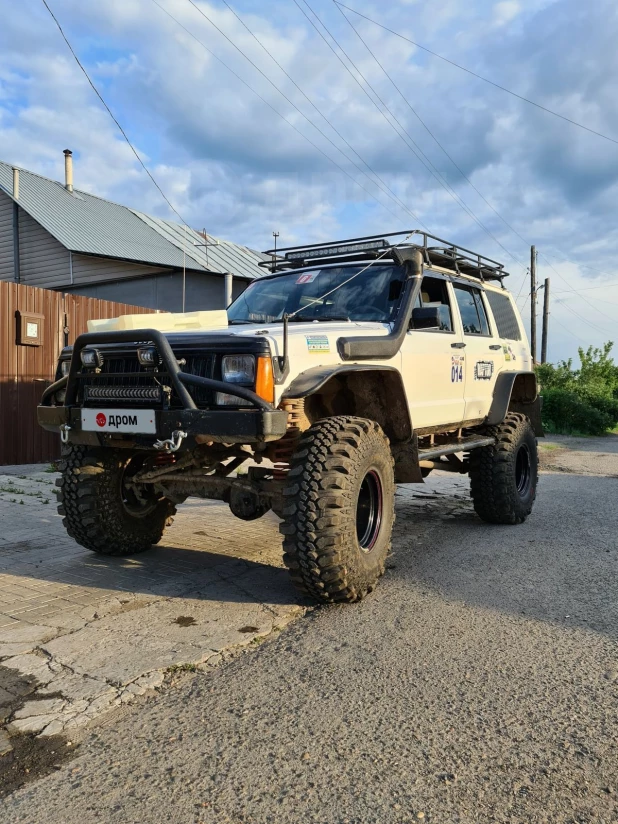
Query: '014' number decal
[457, 367]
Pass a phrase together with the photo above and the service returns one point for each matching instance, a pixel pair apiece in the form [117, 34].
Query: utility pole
[545, 322]
[533, 303]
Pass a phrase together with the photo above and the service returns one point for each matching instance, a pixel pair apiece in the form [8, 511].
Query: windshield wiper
[234, 322]
[319, 317]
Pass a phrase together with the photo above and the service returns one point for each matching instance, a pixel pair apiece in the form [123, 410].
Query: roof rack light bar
[343, 249]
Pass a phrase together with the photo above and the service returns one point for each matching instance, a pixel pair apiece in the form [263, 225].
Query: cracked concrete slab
[96, 632]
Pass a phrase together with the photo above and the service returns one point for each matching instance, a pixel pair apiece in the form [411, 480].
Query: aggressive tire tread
[90, 502]
[492, 472]
[319, 528]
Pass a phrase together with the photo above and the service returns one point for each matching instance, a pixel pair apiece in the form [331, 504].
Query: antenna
[275, 235]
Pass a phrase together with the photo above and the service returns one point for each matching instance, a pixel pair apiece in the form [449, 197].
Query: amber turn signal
[265, 379]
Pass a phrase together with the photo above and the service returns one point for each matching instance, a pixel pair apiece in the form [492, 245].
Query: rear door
[433, 362]
[483, 350]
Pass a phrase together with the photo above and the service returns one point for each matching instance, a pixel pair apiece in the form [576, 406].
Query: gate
[34, 326]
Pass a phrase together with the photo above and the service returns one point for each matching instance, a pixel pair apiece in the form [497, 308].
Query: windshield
[373, 295]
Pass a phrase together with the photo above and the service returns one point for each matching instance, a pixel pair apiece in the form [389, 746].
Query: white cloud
[505, 11]
[231, 164]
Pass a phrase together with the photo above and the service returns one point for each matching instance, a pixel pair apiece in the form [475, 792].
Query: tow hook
[171, 444]
[64, 433]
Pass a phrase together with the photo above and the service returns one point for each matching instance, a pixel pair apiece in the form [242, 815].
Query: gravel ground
[478, 684]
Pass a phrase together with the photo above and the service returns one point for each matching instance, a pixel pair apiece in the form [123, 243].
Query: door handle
[458, 345]
[496, 346]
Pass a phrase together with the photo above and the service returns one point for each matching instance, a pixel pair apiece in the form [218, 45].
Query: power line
[109, 111]
[320, 112]
[566, 329]
[271, 107]
[587, 288]
[582, 297]
[433, 136]
[291, 102]
[480, 77]
[428, 165]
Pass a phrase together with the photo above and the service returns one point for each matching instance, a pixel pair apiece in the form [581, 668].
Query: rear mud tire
[338, 510]
[96, 510]
[504, 476]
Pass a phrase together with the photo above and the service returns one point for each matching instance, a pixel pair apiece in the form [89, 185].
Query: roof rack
[435, 250]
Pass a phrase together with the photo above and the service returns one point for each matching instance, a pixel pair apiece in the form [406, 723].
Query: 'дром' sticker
[483, 370]
[318, 343]
[307, 278]
[457, 365]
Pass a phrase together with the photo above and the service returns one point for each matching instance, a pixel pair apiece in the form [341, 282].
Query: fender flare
[312, 380]
[529, 403]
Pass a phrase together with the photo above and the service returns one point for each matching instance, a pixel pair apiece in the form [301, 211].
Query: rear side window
[504, 315]
[472, 311]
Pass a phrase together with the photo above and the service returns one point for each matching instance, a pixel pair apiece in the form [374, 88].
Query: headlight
[65, 366]
[91, 358]
[238, 369]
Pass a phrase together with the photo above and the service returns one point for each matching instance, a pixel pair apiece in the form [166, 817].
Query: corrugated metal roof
[91, 225]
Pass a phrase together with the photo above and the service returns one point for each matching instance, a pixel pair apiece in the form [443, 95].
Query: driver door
[433, 361]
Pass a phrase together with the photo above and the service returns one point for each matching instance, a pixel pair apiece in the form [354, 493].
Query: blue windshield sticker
[318, 343]
[308, 277]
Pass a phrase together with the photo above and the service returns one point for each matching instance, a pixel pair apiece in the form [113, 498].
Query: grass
[182, 668]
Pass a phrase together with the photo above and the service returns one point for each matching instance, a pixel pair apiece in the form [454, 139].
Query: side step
[460, 445]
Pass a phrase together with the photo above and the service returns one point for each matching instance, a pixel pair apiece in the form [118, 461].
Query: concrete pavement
[479, 683]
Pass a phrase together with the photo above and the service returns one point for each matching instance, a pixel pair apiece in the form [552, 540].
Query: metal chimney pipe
[229, 280]
[68, 170]
[15, 183]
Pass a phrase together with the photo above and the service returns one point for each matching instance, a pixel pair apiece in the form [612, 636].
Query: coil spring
[281, 452]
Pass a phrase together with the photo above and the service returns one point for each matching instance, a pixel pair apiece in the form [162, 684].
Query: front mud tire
[338, 509]
[99, 510]
[504, 476]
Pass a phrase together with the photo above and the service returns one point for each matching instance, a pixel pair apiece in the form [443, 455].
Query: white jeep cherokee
[348, 369]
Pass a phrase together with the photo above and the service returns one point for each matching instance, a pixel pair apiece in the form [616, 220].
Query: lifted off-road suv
[349, 368]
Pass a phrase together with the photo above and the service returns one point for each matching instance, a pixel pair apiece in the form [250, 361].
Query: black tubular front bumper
[260, 423]
[219, 426]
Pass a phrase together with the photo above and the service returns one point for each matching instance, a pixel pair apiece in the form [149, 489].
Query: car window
[472, 310]
[435, 293]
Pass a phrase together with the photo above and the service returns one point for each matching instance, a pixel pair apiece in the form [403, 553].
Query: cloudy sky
[324, 151]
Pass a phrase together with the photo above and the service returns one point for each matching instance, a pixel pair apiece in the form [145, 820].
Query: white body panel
[449, 376]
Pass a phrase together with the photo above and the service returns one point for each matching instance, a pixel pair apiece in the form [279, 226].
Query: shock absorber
[282, 450]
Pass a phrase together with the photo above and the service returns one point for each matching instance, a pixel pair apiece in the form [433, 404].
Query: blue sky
[231, 164]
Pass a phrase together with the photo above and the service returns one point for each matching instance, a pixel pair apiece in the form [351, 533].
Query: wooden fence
[26, 369]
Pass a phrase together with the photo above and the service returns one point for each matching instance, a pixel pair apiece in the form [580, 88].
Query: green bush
[565, 413]
[583, 400]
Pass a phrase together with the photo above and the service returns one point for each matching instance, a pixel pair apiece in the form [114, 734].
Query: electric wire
[426, 161]
[480, 77]
[111, 114]
[320, 113]
[311, 123]
[446, 153]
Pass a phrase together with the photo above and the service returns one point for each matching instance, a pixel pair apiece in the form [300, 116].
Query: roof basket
[435, 250]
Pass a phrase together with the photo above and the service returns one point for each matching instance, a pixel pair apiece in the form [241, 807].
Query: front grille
[123, 381]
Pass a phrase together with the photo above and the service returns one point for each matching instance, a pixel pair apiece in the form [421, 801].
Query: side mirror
[427, 317]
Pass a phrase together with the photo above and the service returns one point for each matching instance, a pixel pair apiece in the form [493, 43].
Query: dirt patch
[32, 758]
[28, 757]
